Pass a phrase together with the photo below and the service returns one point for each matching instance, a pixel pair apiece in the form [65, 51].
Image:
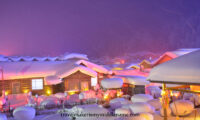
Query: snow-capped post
[65, 94]
[165, 103]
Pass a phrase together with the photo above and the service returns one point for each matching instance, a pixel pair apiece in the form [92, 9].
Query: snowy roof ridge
[93, 66]
[44, 58]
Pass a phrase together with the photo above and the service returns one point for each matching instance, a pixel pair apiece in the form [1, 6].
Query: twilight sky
[96, 28]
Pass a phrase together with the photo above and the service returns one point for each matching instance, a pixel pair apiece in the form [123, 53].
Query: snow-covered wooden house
[172, 54]
[49, 75]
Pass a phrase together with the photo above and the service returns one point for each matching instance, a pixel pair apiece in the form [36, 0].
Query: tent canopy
[181, 70]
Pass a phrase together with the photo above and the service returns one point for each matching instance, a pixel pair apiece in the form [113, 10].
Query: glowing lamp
[6, 93]
[25, 90]
[122, 61]
[86, 89]
[71, 92]
[163, 92]
[48, 92]
[119, 94]
[106, 96]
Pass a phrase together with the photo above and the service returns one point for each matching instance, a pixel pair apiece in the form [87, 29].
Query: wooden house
[145, 64]
[47, 77]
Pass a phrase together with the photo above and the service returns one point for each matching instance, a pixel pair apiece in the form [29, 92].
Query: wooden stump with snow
[122, 111]
[182, 107]
[168, 110]
[141, 107]
[141, 98]
[47, 104]
[24, 113]
[119, 102]
[155, 103]
[147, 116]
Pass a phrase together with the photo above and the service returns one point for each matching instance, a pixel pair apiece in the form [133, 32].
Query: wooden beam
[182, 90]
[164, 101]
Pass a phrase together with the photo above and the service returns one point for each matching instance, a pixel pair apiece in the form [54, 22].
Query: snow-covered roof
[74, 56]
[184, 70]
[133, 79]
[111, 83]
[93, 66]
[3, 58]
[29, 69]
[50, 80]
[176, 53]
[170, 54]
[132, 64]
[68, 70]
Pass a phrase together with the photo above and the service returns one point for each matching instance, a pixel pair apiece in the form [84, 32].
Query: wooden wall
[25, 86]
[75, 80]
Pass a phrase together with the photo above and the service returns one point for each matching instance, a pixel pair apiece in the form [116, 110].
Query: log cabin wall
[74, 81]
[17, 86]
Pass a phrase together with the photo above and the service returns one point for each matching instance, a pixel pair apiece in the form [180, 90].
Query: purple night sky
[96, 28]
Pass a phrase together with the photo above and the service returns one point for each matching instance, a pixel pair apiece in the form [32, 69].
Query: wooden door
[84, 85]
[16, 88]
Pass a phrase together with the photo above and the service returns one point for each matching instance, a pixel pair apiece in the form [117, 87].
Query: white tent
[181, 70]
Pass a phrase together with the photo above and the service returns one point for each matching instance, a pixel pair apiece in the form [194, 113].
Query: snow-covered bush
[119, 102]
[187, 96]
[168, 110]
[141, 98]
[3, 116]
[141, 107]
[87, 109]
[182, 107]
[195, 99]
[155, 103]
[87, 94]
[154, 91]
[60, 96]
[56, 117]
[24, 113]
[147, 116]
[122, 111]
[48, 104]
[126, 96]
[127, 106]
[2, 101]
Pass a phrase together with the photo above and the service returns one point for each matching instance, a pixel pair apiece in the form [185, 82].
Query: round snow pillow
[119, 102]
[56, 117]
[141, 98]
[48, 104]
[147, 116]
[132, 118]
[141, 107]
[182, 107]
[122, 111]
[155, 103]
[168, 111]
[24, 113]
[3, 116]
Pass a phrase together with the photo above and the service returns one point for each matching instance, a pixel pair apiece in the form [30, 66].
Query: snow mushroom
[24, 113]
[141, 98]
[182, 107]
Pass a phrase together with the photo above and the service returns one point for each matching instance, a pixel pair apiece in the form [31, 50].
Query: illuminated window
[37, 84]
[93, 81]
